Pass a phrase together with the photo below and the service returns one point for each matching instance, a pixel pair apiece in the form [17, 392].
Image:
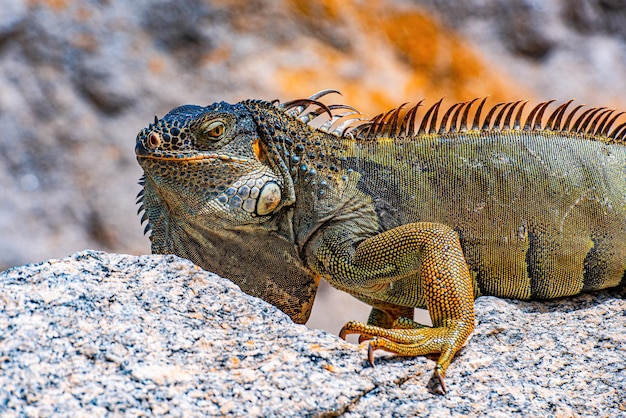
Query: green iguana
[399, 211]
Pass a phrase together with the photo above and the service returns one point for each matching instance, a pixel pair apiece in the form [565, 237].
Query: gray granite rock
[98, 334]
[12, 13]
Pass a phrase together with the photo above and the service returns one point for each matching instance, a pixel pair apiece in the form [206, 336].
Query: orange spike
[617, 130]
[476, 121]
[518, 116]
[409, 120]
[570, 117]
[597, 119]
[463, 126]
[554, 121]
[607, 128]
[579, 122]
[496, 122]
[487, 120]
[539, 116]
[422, 128]
[507, 119]
[444, 120]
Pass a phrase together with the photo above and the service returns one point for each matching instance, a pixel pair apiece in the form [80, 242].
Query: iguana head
[208, 162]
[242, 163]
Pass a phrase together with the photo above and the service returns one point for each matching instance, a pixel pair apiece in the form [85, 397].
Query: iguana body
[397, 212]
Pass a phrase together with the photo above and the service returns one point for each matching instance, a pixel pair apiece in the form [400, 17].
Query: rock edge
[99, 333]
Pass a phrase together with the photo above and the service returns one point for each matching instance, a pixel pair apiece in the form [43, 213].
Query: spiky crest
[139, 201]
[594, 123]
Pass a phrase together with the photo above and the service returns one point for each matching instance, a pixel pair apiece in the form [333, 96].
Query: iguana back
[539, 213]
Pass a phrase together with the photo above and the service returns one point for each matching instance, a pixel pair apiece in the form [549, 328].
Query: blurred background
[80, 78]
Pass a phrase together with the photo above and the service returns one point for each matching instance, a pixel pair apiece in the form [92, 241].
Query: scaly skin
[397, 212]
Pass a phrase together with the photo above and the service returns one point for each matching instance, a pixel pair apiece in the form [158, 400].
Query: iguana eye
[215, 129]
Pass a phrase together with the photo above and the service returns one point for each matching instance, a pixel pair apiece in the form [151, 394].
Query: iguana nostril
[269, 198]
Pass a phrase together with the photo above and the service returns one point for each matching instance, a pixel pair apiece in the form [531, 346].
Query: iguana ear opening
[271, 194]
[258, 150]
[271, 145]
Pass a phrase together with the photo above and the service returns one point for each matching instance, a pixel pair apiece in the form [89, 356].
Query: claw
[343, 332]
[409, 338]
[370, 355]
[441, 376]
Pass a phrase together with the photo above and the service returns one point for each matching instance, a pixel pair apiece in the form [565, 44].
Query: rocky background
[99, 334]
[79, 79]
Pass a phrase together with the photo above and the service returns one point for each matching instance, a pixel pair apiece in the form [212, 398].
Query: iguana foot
[408, 338]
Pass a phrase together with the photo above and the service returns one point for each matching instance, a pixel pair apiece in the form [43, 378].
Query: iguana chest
[539, 215]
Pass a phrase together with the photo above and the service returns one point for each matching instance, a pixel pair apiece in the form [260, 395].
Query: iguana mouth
[210, 157]
[147, 150]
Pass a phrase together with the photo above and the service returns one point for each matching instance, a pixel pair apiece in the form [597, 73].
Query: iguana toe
[413, 339]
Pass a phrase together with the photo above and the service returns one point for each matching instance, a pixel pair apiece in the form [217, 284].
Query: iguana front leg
[429, 252]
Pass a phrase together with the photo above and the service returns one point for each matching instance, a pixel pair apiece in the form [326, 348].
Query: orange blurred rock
[394, 55]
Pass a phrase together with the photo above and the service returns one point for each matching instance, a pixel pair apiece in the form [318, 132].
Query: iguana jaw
[213, 154]
[143, 152]
[204, 157]
[237, 192]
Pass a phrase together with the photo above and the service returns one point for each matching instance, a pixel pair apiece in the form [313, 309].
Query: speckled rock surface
[564, 358]
[98, 333]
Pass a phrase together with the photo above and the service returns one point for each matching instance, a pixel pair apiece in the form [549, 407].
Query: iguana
[400, 211]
